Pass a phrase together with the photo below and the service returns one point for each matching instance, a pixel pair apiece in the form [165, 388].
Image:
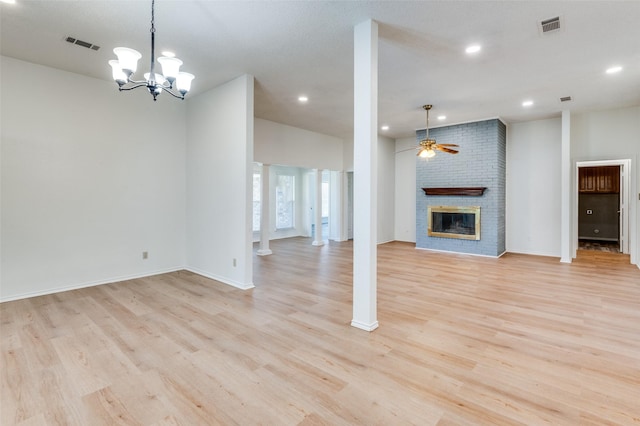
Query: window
[285, 201]
[257, 191]
[325, 199]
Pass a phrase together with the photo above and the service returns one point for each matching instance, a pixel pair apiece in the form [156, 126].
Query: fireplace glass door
[454, 222]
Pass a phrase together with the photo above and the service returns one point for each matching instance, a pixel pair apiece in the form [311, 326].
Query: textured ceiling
[306, 47]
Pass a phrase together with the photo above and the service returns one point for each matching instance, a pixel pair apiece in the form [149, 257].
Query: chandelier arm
[169, 91]
[138, 82]
[135, 86]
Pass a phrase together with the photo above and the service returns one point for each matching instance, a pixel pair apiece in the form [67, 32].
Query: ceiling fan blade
[443, 149]
[448, 144]
[409, 149]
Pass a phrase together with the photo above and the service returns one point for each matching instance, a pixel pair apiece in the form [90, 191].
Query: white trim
[627, 217]
[567, 249]
[459, 123]
[88, 284]
[363, 326]
[227, 281]
[387, 241]
[463, 253]
[534, 253]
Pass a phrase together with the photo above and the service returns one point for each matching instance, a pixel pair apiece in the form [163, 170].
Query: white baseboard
[87, 284]
[385, 242]
[236, 284]
[459, 252]
[535, 253]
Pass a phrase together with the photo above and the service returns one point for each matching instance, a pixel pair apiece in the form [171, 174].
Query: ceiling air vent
[552, 24]
[565, 99]
[82, 43]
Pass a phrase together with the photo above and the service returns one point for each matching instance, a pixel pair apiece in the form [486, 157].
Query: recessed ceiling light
[8, 1]
[442, 117]
[614, 70]
[385, 127]
[168, 54]
[303, 99]
[474, 48]
[527, 103]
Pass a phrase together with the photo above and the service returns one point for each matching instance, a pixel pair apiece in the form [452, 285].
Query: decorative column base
[317, 243]
[365, 327]
[264, 252]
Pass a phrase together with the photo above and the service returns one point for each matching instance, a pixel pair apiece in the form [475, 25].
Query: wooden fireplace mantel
[468, 191]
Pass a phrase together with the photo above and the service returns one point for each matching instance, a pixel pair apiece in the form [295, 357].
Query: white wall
[91, 178]
[347, 155]
[386, 189]
[405, 190]
[277, 143]
[219, 182]
[533, 197]
[612, 135]
[533, 173]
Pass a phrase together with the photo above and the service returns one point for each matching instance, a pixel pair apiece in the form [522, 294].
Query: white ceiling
[306, 47]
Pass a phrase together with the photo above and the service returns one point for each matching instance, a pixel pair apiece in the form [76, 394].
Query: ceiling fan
[427, 147]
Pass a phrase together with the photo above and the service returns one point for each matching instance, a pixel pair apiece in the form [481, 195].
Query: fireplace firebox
[454, 222]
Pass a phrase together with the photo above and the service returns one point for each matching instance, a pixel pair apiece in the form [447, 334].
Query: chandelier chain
[153, 16]
[152, 72]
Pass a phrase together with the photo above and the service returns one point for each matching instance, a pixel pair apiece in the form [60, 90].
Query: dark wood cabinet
[599, 180]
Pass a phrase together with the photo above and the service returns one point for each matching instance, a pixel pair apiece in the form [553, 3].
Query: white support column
[339, 209]
[317, 211]
[265, 209]
[365, 145]
[566, 230]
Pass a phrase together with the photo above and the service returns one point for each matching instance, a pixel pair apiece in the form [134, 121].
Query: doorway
[326, 214]
[602, 210]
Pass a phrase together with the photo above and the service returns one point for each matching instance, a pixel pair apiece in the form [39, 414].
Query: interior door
[622, 212]
[350, 205]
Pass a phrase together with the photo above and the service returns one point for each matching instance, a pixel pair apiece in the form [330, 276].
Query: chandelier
[174, 82]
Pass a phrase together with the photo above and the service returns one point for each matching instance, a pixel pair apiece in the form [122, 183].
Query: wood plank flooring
[463, 340]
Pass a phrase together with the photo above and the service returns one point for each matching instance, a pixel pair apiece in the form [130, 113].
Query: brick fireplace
[480, 163]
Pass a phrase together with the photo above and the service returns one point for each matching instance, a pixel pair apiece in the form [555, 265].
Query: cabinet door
[601, 180]
[608, 180]
[587, 178]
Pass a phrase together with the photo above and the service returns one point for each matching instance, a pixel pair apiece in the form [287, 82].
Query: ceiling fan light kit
[427, 147]
[127, 63]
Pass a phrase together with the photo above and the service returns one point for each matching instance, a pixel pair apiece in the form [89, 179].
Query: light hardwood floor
[463, 340]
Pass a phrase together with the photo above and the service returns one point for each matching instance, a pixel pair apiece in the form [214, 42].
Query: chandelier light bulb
[183, 81]
[170, 67]
[116, 71]
[128, 59]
